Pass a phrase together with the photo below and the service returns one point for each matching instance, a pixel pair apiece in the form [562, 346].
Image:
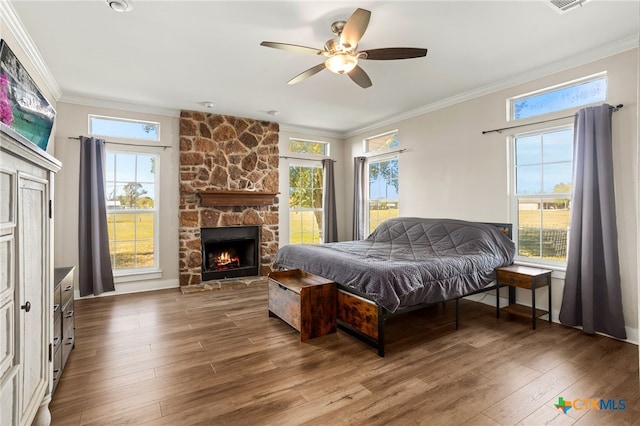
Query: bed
[407, 263]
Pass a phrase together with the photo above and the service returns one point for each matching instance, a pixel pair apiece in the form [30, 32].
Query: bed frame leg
[457, 313]
[381, 320]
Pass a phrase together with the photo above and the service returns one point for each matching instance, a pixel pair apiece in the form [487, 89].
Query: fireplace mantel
[236, 198]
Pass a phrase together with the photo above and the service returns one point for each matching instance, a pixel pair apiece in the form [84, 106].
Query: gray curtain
[94, 269]
[359, 191]
[592, 297]
[329, 218]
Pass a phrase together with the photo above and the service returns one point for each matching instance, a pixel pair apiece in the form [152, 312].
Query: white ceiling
[171, 55]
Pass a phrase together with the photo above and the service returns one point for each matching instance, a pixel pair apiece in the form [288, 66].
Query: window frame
[302, 159]
[379, 155]
[515, 197]
[377, 159]
[510, 107]
[307, 154]
[309, 164]
[148, 272]
[129, 120]
[365, 143]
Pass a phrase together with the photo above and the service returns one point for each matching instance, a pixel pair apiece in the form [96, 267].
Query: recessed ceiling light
[120, 5]
[273, 112]
[207, 104]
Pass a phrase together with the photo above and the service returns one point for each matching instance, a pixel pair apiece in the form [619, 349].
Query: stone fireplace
[228, 179]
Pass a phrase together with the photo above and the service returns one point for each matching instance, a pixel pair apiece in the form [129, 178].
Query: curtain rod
[304, 159]
[615, 108]
[128, 144]
[398, 151]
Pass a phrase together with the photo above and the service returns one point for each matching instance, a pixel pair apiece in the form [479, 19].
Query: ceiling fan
[342, 54]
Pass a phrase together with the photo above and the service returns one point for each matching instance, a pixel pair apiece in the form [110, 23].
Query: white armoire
[26, 274]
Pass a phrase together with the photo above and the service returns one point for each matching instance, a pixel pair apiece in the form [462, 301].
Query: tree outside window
[306, 192]
[130, 180]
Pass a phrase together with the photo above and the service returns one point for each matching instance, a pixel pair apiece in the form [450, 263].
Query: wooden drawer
[68, 322]
[57, 298]
[57, 365]
[358, 313]
[285, 304]
[68, 338]
[57, 330]
[64, 320]
[64, 285]
[523, 277]
[305, 301]
[66, 291]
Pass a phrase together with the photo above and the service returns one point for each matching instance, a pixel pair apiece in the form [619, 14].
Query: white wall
[452, 170]
[73, 122]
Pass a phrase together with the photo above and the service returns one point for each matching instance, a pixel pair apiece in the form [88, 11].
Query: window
[306, 180]
[305, 204]
[565, 96]
[542, 197]
[298, 146]
[382, 176]
[124, 128]
[383, 191]
[130, 189]
[382, 142]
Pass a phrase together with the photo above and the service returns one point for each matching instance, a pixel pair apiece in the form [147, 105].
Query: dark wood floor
[216, 358]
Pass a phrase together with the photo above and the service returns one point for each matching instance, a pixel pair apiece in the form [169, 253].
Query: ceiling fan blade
[354, 28]
[292, 47]
[390, 53]
[360, 77]
[308, 73]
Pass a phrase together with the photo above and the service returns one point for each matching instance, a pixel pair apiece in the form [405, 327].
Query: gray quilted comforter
[409, 261]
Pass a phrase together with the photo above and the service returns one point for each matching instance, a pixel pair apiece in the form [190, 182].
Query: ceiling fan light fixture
[341, 63]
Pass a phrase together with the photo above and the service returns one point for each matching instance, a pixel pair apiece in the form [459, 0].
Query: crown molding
[310, 131]
[17, 30]
[122, 106]
[620, 46]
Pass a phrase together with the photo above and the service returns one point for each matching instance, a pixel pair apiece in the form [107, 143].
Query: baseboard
[135, 287]
[490, 299]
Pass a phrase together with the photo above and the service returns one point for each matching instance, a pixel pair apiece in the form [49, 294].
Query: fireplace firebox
[230, 252]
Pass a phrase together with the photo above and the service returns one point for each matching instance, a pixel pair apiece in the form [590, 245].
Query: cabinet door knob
[26, 307]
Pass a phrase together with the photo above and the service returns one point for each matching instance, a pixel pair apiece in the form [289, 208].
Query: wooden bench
[305, 301]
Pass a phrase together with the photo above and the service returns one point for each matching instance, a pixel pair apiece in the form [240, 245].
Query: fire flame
[225, 260]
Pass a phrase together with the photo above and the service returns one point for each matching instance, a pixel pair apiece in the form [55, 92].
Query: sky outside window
[575, 95]
[127, 129]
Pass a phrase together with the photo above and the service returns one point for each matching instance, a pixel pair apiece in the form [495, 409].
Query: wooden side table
[305, 301]
[517, 276]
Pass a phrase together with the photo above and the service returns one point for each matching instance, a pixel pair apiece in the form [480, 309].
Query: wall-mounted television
[22, 107]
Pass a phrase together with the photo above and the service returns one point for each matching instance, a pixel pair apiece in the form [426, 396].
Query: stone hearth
[225, 153]
[229, 284]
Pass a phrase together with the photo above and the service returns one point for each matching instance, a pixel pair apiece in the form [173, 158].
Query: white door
[32, 302]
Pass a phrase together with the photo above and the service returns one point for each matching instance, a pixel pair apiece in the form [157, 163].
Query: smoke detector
[120, 5]
[562, 6]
